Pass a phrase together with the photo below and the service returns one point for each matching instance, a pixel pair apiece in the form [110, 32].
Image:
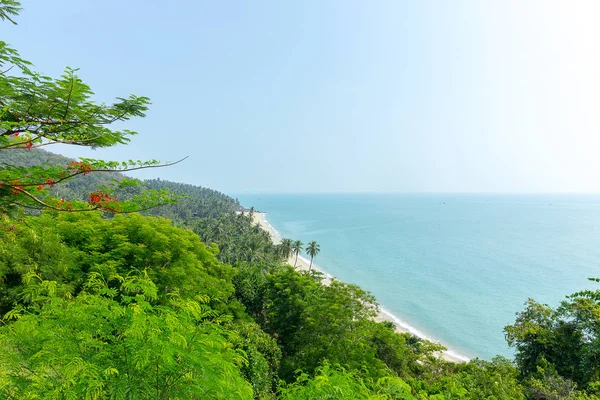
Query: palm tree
[286, 248]
[312, 249]
[218, 230]
[296, 249]
[254, 249]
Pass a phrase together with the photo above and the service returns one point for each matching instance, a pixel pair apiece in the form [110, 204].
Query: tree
[67, 247]
[96, 347]
[495, 379]
[296, 249]
[38, 111]
[286, 248]
[560, 344]
[263, 357]
[313, 322]
[334, 382]
[312, 249]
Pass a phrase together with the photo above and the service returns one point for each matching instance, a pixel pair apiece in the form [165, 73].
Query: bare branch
[100, 170]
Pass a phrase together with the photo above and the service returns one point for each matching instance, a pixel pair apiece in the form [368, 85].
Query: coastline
[384, 315]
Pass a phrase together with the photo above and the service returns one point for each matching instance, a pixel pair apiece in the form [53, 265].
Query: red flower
[95, 198]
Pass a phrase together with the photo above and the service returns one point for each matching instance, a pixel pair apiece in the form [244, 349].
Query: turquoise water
[454, 267]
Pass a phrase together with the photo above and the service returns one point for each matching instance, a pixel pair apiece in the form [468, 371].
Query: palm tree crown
[296, 249]
[312, 249]
[286, 248]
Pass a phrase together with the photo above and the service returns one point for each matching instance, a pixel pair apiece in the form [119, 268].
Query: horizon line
[409, 193]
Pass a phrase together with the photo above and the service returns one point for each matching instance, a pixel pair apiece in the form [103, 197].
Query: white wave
[275, 235]
[315, 266]
[414, 331]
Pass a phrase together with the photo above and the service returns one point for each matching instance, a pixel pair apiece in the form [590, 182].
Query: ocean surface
[452, 268]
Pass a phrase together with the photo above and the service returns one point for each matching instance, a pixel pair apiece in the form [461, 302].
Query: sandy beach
[303, 265]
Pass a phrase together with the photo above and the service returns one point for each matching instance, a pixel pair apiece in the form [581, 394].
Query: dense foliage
[558, 350]
[91, 320]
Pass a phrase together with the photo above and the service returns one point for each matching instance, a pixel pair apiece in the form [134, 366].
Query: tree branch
[97, 170]
[69, 97]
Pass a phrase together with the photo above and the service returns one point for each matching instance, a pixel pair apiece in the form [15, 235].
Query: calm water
[455, 267]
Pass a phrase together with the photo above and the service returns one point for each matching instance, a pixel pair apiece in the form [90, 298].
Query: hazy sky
[341, 96]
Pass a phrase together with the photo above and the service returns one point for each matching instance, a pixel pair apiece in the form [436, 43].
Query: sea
[453, 268]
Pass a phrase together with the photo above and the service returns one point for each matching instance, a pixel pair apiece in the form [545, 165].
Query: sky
[343, 95]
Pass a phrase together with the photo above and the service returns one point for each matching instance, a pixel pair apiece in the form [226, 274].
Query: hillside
[198, 201]
[286, 332]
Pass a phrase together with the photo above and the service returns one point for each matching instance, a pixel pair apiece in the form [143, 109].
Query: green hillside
[209, 267]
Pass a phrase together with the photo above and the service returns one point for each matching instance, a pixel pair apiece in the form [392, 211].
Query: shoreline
[384, 314]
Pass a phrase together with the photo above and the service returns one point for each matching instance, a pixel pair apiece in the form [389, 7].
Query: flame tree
[38, 111]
